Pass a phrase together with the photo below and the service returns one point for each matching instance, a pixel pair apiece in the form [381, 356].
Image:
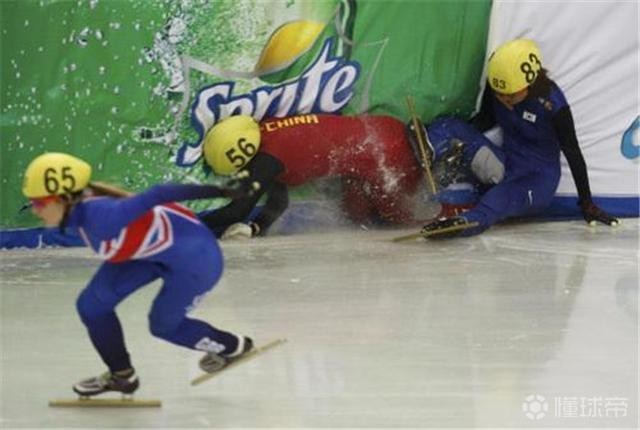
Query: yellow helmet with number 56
[231, 144]
[54, 174]
[514, 66]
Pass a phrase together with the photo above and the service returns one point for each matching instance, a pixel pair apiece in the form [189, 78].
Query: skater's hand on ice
[237, 231]
[593, 214]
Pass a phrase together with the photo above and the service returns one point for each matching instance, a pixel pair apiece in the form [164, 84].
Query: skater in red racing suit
[371, 155]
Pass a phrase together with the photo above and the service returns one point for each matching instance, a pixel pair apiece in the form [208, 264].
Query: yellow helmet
[288, 43]
[54, 174]
[514, 66]
[231, 144]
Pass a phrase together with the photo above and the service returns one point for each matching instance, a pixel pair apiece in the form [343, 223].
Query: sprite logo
[325, 86]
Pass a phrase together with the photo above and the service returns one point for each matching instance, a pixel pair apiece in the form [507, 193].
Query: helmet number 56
[53, 180]
[240, 155]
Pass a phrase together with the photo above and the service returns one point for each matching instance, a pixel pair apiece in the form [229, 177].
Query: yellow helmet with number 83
[231, 144]
[55, 174]
[514, 66]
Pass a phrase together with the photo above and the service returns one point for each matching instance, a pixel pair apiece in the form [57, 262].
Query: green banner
[132, 85]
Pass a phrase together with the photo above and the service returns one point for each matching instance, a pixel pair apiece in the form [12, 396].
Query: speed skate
[246, 357]
[442, 232]
[90, 402]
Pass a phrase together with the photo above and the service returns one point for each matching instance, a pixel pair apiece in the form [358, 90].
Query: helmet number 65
[54, 180]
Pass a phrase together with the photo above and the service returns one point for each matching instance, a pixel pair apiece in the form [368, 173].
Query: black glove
[593, 214]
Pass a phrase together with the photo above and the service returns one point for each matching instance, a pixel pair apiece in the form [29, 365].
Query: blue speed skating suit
[143, 238]
[522, 174]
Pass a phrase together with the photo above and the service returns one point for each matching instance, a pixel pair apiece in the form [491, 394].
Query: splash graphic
[630, 147]
[322, 82]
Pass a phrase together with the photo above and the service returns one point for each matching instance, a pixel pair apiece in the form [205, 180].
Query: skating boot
[445, 227]
[449, 168]
[123, 382]
[417, 148]
[213, 362]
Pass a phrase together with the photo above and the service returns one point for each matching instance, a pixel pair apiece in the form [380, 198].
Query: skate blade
[87, 402]
[248, 356]
[414, 236]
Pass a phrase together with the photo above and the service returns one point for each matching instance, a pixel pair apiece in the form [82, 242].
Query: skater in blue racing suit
[142, 237]
[536, 122]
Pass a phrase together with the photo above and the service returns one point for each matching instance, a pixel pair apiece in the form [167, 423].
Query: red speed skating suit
[370, 153]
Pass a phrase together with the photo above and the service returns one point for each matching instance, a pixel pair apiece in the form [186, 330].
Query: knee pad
[487, 166]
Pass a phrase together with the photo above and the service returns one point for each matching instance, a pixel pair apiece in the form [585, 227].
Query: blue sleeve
[557, 99]
[106, 217]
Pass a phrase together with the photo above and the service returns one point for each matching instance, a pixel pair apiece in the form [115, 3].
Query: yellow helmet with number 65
[54, 174]
[231, 144]
[514, 66]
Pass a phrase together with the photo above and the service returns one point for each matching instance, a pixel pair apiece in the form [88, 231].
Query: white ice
[440, 334]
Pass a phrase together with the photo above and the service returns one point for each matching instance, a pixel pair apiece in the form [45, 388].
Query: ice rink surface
[464, 333]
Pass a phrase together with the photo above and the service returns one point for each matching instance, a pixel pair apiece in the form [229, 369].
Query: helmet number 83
[242, 153]
[527, 67]
[53, 180]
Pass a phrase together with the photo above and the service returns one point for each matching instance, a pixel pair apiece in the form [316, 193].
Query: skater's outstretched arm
[263, 169]
[114, 214]
[566, 132]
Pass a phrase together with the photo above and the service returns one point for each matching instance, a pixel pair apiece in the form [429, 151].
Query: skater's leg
[183, 289]
[168, 320]
[480, 155]
[96, 307]
[511, 198]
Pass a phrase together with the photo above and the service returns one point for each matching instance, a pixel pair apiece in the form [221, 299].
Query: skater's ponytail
[102, 189]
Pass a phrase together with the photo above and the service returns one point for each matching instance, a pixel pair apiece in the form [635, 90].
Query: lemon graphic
[286, 45]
